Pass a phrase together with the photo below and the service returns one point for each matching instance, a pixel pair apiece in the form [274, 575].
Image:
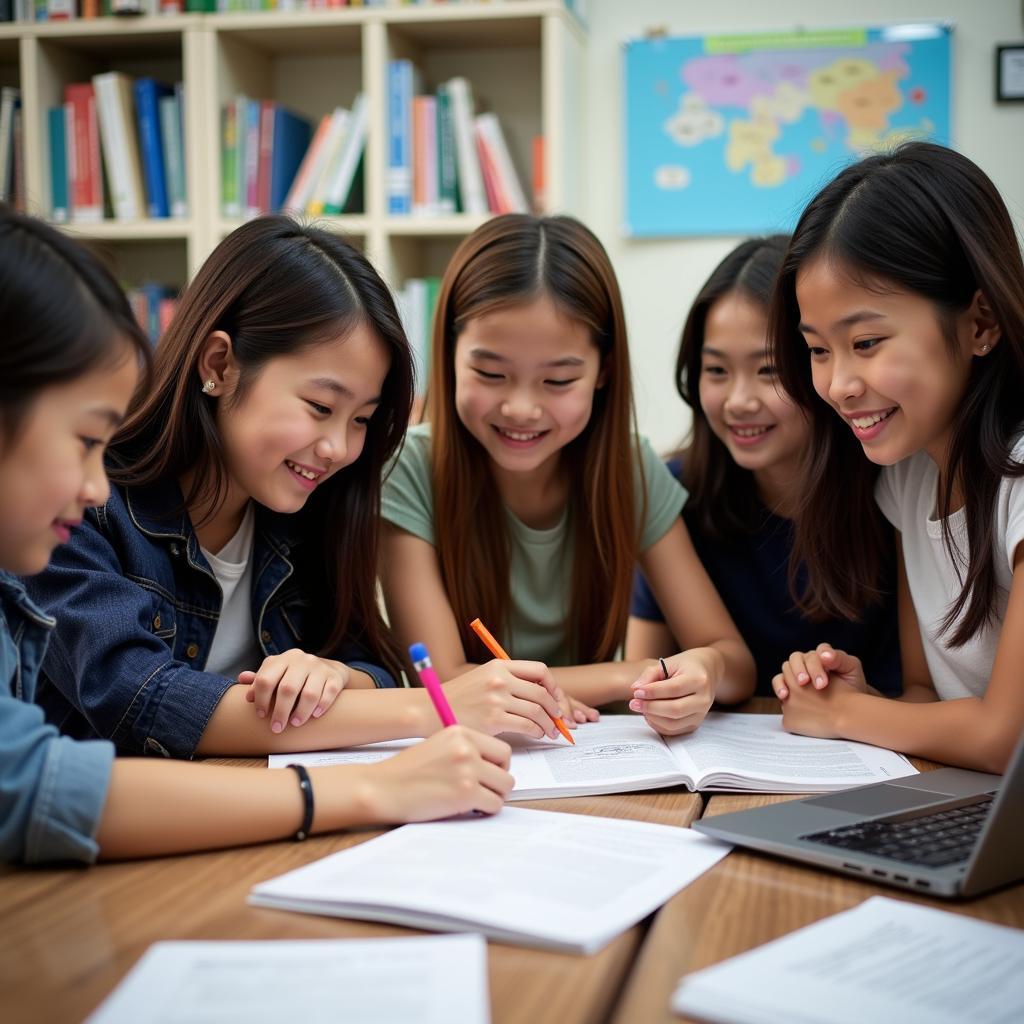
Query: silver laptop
[948, 832]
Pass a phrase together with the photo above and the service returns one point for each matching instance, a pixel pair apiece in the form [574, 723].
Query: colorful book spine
[539, 175]
[10, 98]
[495, 201]
[447, 171]
[291, 135]
[120, 150]
[424, 148]
[472, 196]
[231, 205]
[402, 84]
[174, 153]
[252, 158]
[148, 93]
[513, 199]
[340, 122]
[57, 123]
[85, 172]
[306, 176]
[266, 150]
[342, 190]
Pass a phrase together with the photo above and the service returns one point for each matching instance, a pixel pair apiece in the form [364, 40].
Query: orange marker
[499, 652]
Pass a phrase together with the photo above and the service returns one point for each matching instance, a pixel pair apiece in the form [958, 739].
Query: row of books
[271, 159]
[67, 10]
[118, 145]
[12, 149]
[443, 157]
[416, 302]
[154, 306]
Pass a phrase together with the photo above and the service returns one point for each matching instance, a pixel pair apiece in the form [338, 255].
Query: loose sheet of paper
[885, 960]
[434, 979]
[566, 881]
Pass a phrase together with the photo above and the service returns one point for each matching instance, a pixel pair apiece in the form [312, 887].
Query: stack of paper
[506, 876]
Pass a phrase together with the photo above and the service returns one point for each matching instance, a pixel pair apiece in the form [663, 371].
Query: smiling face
[302, 419]
[883, 362]
[525, 378]
[763, 429]
[51, 470]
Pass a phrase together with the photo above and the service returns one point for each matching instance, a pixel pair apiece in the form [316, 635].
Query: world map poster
[734, 134]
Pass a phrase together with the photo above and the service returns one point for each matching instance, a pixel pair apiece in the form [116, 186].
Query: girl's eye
[866, 344]
[816, 351]
[490, 376]
[766, 371]
[363, 421]
[91, 443]
[321, 410]
[561, 383]
[713, 371]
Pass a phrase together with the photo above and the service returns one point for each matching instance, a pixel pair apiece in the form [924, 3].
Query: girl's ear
[984, 330]
[216, 362]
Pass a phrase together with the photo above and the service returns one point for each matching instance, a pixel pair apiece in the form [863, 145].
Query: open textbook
[622, 753]
[569, 882]
[885, 960]
[316, 981]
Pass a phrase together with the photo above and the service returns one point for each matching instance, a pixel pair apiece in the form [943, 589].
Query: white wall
[659, 278]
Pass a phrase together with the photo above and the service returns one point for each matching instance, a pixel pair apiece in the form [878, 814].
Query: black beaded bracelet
[307, 801]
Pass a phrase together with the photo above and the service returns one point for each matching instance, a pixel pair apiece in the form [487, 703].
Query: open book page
[369, 753]
[754, 753]
[616, 754]
[563, 881]
[885, 960]
[316, 981]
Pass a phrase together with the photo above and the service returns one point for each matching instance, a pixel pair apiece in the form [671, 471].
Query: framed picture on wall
[1010, 73]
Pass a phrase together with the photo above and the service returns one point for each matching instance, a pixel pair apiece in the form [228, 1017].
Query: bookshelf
[523, 58]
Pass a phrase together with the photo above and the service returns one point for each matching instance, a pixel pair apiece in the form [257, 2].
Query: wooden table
[69, 935]
[748, 899]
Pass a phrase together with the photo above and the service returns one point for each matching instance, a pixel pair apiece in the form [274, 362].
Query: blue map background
[734, 134]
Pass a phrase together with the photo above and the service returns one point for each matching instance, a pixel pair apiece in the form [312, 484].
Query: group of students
[843, 530]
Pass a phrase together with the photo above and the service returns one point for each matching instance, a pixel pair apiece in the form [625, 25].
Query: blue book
[56, 118]
[403, 82]
[153, 294]
[148, 93]
[291, 140]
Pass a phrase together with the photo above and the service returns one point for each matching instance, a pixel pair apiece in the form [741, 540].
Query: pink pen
[421, 662]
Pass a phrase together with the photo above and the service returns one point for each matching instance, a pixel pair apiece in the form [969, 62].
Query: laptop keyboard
[931, 840]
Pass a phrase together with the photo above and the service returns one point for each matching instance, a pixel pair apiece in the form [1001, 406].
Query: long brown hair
[925, 220]
[277, 287]
[510, 261]
[722, 494]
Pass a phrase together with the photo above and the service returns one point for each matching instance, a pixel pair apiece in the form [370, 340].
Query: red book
[538, 174]
[167, 308]
[266, 153]
[84, 167]
[495, 200]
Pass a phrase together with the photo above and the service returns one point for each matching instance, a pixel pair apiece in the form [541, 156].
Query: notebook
[622, 753]
[885, 960]
[568, 882]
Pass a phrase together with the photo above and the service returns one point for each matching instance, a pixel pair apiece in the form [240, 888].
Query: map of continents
[733, 134]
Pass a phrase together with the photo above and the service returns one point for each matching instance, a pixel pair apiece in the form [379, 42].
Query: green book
[447, 173]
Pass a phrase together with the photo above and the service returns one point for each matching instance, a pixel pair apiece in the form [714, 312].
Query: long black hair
[62, 312]
[922, 219]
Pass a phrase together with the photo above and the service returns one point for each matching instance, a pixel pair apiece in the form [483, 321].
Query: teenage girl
[226, 590]
[68, 365]
[905, 279]
[741, 470]
[527, 498]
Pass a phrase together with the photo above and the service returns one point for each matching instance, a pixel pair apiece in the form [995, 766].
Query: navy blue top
[751, 576]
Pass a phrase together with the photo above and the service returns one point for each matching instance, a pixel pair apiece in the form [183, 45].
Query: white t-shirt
[234, 643]
[907, 494]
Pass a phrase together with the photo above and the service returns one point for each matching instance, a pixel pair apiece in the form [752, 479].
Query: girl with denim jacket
[68, 366]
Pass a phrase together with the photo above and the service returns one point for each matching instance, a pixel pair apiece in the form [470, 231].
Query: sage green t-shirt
[540, 561]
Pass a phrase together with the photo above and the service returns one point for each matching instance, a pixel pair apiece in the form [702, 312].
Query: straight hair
[276, 288]
[511, 261]
[63, 315]
[927, 221]
[723, 495]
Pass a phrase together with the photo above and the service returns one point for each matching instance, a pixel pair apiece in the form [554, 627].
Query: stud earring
[209, 386]
[984, 348]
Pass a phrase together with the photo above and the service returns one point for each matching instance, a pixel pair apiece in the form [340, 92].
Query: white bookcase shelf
[523, 59]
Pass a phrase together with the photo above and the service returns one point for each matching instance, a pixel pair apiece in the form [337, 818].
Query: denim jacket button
[192, 650]
[265, 637]
[156, 621]
[175, 550]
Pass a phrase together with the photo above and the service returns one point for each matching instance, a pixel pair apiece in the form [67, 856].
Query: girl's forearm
[963, 732]
[735, 670]
[168, 807]
[357, 716]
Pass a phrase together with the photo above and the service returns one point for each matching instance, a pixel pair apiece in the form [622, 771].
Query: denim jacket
[137, 606]
[52, 789]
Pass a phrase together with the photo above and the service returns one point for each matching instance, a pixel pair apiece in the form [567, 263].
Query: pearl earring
[209, 386]
[984, 348]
